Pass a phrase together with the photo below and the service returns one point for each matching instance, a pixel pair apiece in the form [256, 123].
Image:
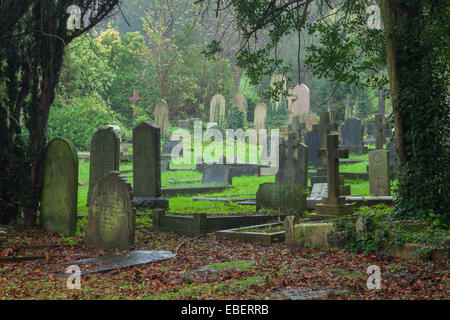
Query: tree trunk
[390, 14]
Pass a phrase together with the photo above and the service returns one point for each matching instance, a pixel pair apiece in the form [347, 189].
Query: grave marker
[260, 114]
[293, 164]
[240, 101]
[379, 173]
[217, 173]
[217, 109]
[147, 167]
[333, 204]
[111, 220]
[104, 155]
[161, 115]
[302, 103]
[58, 208]
[289, 197]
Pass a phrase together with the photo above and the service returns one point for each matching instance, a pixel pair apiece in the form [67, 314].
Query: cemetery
[287, 188]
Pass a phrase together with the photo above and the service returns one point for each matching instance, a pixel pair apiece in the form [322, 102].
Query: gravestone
[290, 98]
[161, 115]
[302, 103]
[295, 125]
[240, 101]
[217, 109]
[379, 183]
[293, 164]
[58, 208]
[217, 173]
[288, 197]
[382, 131]
[312, 140]
[352, 132]
[111, 220]
[147, 167]
[276, 80]
[260, 114]
[392, 157]
[333, 204]
[104, 155]
[169, 145]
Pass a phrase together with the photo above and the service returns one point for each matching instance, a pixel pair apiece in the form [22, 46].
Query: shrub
[78, 119]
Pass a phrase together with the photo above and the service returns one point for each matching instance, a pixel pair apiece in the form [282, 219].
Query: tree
[33, 39]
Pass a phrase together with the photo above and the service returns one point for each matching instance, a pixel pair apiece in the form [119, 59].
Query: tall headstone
[58, 209]
[217, 109]
[105, 155]
[302, 103]
[240, 101]
[293, 164]
[298, 127]
[147, 167]
[111, 220]
[260, 114]
[333, 204]
[312, 140]
[161, 115]
[352, 136]
[379, 184]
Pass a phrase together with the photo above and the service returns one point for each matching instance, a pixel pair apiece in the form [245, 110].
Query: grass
[246, 186]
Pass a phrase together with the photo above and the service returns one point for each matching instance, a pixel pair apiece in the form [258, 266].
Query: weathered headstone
[298, 127]
[302, 103]
[379, 183]
[58, 209]
[312, 140]
[289, 197]
[217, 109]
[169, 145]
[333, 204]
[260, 114]
[161, 115]
[104, 155]
[147, 167]
[352, 132]
[111, 220]
[293, 164]
[217, 173]
[290, 98]
[240, 101]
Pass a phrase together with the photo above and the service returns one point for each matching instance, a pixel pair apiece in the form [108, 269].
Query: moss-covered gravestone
[288, 197]
[379, 173]
[59, 193]
[111, 220]
[105, 155]
[293, 166]
[147, 167]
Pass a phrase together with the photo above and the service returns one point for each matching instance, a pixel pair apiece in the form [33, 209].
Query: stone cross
[134, 98]
[380, 128]
[325, 126]
[332, 155]
[381, 94]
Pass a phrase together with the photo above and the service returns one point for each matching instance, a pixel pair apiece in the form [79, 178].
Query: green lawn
[245, 186]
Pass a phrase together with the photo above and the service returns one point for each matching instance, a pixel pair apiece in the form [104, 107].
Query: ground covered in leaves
[209, 268]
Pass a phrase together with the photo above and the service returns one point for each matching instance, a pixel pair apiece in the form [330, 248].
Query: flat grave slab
[111, 262]
[175, 191]
[226, 198]
[254, 234]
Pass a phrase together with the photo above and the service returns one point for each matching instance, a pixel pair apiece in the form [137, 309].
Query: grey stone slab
[306, 293]
[217, 173]
[112, 262]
